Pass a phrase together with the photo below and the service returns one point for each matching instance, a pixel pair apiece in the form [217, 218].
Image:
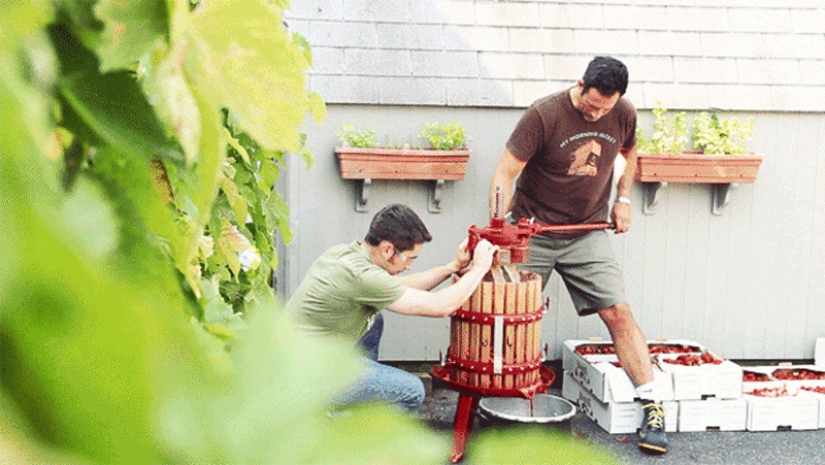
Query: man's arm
[426, 280]
[445, 301]
[621, 210]
[506, 173]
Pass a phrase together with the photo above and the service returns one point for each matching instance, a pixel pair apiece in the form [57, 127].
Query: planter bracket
[435, 197]
[651, 196]
[720, 196]
[362, 195]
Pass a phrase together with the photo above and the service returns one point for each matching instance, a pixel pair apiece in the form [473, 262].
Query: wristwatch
[623, 200]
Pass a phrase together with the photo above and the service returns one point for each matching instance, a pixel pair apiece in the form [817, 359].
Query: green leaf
[162, 77]
[318, 107]
[236, 201]
[228, 244]
[261, 298]
[52, 323]
[215, 309]
[528, 445]
[222, 331]
[277, 213]
[90, 220]
[82, 18]
[113, 107]
[281, 415]
[237, 146]
[27, 73]
[270, 172]
[376, 435]
[17, 449]
[254, 53]
[129, 182]
[22, 19]
[212, 151]
[303, 46]
[200, 194]
[130, 30]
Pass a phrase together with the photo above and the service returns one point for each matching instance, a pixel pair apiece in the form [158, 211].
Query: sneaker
[653, 438]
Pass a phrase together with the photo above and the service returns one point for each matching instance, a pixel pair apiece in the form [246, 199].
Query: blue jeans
[382, 383]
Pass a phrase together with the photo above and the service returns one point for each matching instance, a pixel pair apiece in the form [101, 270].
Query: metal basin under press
[546, 408]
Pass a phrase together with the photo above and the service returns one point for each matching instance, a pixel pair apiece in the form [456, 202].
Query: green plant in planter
[670, 136]
[444, 136]
[352, 137]
[721, 136]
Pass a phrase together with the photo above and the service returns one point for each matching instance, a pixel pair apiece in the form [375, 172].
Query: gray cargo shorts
[586, 264]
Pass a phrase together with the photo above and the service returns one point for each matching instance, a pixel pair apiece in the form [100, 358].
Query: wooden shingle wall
[750, 55]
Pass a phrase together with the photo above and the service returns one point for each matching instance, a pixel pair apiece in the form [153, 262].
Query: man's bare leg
[631, 348]
[630, 343]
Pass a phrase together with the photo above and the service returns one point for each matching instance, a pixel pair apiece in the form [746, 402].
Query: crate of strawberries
[701, 375]
[782, 407]
[595, 365]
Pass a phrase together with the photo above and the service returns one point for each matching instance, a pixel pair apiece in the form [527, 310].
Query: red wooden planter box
[381, 163]
[697, 168]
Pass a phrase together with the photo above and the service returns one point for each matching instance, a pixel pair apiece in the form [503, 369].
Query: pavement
[704, 448]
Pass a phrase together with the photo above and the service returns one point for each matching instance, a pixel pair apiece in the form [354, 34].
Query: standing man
[562, 151]
[349, 284]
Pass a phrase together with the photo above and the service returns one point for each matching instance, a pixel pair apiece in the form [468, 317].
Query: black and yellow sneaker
[652, 436]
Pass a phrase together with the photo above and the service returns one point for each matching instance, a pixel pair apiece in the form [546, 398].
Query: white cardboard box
[771, 370]
[821, 399]
[799, 412]
[769, 381]
[607, 382]
[614, 417]
[723, 381]
[713, 415]
[799, 382]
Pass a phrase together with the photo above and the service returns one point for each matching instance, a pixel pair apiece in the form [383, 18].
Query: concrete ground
[705, 448]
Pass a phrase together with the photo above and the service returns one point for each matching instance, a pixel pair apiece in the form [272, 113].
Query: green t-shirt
[341, 292]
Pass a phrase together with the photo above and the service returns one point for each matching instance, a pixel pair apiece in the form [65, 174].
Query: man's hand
[462, 257]
[483, 255]
[621, 217]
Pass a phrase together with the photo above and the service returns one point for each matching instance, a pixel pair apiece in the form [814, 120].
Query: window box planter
[386, 163]
[724, 172]
[694, 167]
[367, 164]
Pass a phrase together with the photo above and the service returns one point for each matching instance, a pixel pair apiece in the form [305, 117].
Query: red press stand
[518, 376]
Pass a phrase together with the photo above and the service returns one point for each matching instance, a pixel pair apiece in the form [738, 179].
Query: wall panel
[748, 283]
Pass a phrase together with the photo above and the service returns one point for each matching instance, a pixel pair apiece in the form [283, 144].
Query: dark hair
[398, 224]
[607, 75]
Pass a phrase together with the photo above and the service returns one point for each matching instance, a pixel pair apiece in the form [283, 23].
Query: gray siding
[748, 283]
[694, 54]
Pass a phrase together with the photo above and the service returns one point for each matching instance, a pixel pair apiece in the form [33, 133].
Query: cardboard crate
[723, 381]
[819, 397]
[713, 415]
[770, 371]
[614, 417]
[607, 382]
[770, 381]
[790, 412]
[799, 368]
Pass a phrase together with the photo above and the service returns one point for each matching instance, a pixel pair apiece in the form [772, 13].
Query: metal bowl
[545, 409]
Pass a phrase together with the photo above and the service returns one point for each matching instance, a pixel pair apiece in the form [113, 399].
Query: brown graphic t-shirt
[569, 168]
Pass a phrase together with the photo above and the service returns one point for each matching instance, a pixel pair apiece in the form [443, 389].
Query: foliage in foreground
[108, 353]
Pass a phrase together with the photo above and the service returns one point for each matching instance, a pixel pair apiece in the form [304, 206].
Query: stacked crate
[700, 391]
[785, 397]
